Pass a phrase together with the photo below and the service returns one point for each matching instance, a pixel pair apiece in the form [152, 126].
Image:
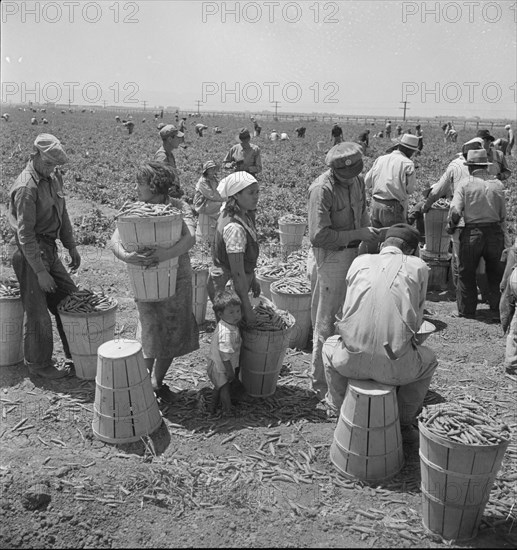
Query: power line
[405, 108]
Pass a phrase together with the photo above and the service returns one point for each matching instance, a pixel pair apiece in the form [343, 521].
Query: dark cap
[405, 232]
[485, 134]
[244, 133]
[347, 158]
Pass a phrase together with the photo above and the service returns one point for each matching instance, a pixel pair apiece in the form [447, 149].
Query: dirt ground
[260, 478]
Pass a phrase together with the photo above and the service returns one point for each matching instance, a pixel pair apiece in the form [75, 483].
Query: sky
[344, 57]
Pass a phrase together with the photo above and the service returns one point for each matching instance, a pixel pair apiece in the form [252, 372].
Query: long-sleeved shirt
[392, 177]
[37, 207]
[446, 185]
[499, 167]
[249, 157]
[207, 200]
[334, 210]
[479, 199]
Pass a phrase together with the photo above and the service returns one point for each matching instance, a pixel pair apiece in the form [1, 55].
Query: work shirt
[334, 209]
[207, 200]
[163, 156]
[479, 199]
[336, 131]
[499, 167]
[37, 208]
[384, 302]
[249, 157]
[446, 185]
[392, 177]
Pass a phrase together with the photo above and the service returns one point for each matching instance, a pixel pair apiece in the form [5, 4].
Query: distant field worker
[38, 216]
[387, 129]
[399, 130]
[392, 180]
[244, 155]
[338, 222]
[200, 128]
[166, 328]
[336, 134]
[364, 140]
[284, 136]
[498, 165]
[130, 125]
[274, 136]
[501, 144]
[183, 125]
[511, 140]
[420, 135]
[377, 334]
[257, 128]
[300, 132]
[207, 203]
[172, 138]
[34, 121]
[5, 117]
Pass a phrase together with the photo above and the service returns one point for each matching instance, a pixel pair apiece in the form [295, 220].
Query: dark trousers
[38, 343]
[476, 242]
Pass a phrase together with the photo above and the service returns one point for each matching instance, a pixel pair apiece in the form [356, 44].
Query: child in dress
[223, 362]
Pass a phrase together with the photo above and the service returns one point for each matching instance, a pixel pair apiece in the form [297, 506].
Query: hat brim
[411, 147]
[478, 163]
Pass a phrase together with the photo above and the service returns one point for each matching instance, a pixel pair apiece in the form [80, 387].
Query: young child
[207, 203]
[223, 362]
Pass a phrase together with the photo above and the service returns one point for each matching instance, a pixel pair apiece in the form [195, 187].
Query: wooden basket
[456, 483]
[199, 294]
[261, 359]
[125, 407]
[11, 331]
[440, 266]
[367, 443]
[436, 237]
[85, 332]
[265, 285]
[299, 306]
[291, 236]
[140, 232]
[153, 284]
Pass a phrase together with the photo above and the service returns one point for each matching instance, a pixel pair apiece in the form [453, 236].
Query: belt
[476, 225]
[386, 201]
[46, 238]
[349, 246]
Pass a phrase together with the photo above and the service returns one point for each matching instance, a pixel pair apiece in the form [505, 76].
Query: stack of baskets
[436, 250]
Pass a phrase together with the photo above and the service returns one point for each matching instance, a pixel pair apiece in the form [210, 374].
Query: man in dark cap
[480, 200]
[338, 222]
[377, 336]
[336, 134]
[498, 165]
[244, 155]
[38, 215]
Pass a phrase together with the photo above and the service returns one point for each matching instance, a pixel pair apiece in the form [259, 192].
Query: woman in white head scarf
[236, 249]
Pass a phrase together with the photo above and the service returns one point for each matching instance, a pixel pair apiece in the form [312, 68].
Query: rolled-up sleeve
[25, 206]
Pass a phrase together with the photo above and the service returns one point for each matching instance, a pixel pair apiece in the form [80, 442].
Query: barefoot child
[225, 349]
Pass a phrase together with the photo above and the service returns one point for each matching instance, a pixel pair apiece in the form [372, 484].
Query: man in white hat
[38, 215]
[445, 187]
[244, 155]
[392, 179]
[338, 221]
[480, 200]
[172, 138]
[498, 166]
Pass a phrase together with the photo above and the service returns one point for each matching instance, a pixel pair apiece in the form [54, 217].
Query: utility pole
[276, 109]
[145, 104]
[198, 104]
[104, 103]
[405, 108]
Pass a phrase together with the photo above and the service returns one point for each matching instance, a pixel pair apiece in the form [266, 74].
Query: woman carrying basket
[236, 248]
[168, 328]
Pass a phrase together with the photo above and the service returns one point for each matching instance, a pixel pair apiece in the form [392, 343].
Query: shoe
[165, 394]
[410, 435]
[463, 315]
[50, 373]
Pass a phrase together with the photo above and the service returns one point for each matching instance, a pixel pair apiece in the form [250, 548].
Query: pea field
[259, 478]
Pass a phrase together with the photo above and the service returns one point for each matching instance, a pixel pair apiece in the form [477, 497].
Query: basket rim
[89, 313]
[424, 430]
[167, 217]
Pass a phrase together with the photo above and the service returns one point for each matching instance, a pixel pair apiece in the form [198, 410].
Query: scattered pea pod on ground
[292, 285]
[145, 209]
[270, 318]
[464, 422]
[85, 301]
[292, 218]
[9, 289]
